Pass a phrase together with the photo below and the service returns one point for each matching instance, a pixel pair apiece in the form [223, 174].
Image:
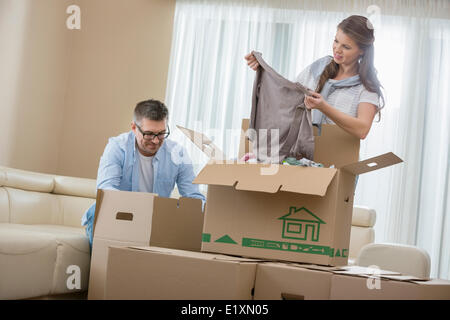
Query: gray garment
[278, 104]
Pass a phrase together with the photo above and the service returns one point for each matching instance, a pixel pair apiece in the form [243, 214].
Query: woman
[348, 92]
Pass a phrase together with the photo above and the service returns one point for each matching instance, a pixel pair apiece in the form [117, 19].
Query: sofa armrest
[363, 216]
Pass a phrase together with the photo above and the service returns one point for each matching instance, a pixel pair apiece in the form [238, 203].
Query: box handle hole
[290, 296]
[127, 216]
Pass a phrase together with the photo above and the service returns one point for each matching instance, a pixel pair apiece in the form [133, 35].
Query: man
[143, 160]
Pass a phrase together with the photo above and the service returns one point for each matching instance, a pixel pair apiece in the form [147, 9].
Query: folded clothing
[302, 162]
[251, 158]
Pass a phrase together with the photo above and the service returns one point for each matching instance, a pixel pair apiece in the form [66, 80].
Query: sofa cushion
[75, 187]
[72, 250]
[2, 178]
[74, 237]
[69, 247]
[28, 180]
[30, 207]
[4, 205]
[359, 237]
[27, 263]
[73, 209]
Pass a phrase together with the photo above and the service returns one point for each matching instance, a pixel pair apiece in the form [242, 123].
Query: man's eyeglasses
[150, 136]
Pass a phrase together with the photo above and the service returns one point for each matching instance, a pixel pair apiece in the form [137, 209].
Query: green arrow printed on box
[226, 239]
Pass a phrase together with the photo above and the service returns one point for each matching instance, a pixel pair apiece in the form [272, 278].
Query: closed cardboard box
[161, 273]
[280, 281]
[288, 213]
[134, 218]
[395, 287]
[276, 281]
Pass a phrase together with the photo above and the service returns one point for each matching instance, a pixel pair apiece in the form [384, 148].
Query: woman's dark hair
[360, 30]
[150, 109]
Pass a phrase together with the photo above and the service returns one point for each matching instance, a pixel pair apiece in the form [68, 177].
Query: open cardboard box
[125, 218]
[279, 212]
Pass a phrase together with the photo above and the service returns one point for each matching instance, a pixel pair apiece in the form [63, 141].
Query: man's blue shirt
[119, 170]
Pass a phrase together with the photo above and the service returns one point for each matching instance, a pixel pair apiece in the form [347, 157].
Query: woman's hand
[314, 101]
[251, 61]
[358, 126]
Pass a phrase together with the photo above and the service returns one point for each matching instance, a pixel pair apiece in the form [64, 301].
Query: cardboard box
[276, 281]
[281, 281]
[140, 219]
[288, 213]
[159, 273]
[350, 285]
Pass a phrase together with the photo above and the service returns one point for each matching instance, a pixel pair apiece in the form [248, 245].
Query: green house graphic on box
[301, 224]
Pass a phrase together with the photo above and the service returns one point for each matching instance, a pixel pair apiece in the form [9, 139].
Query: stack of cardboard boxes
[267, 232]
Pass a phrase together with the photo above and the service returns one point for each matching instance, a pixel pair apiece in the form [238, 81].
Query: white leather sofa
[44, 251]
[362, 231]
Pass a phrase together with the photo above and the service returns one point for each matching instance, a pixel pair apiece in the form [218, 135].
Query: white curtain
[209, 90]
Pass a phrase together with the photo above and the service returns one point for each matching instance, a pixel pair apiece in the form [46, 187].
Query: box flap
[203, 143]
[268, 178]
[371, 272]
[178, 252]
[191, 254]
[313, 266]
[245, 145]
[215, 173]
[177, 223]
[98, 203]
[123, 215]
[147, 248]
[144, 248]
[403, 278]
[372, 164]
[433, 282]
[335, 147]
[223, 257]
[365, 271]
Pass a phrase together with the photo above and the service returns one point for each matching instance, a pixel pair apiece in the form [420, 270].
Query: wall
[64, 92]
[119, 57]
[34, 64]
